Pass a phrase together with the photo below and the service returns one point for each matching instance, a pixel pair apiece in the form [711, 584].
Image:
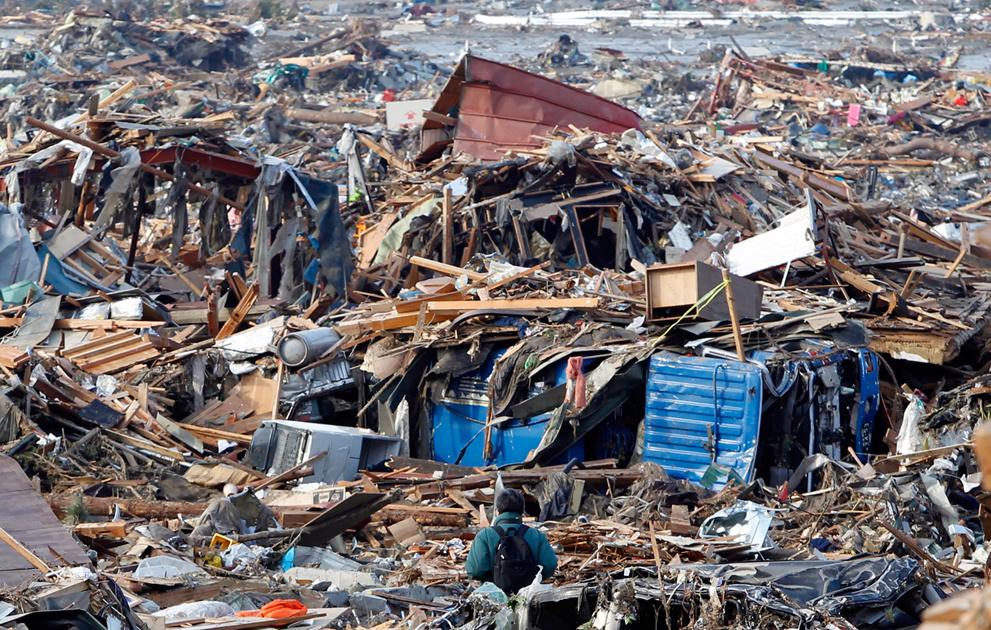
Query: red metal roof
[502, 108]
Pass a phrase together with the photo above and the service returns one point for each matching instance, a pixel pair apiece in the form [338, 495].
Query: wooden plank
[147, 445]
[24, 552]
[13, 358]
[240, 312]
[239, 285]
[115, 96]
[212, 316]
[115, 529]
[518, 276]
[447, 223]
[287, 475]
[216, 434]
[113, 344]
[87, 324]
[235, 287]
[426, 509]
[923, 233]
[127, 62]
[356, 327]
[233, 404]
[196, 313]
[943, 253]
[449, 270]
[115, 356]
[830, 186]
[458, 497]
[393, 160]
[123, 362]
[523, 304]
[413, 306]
[96, 343]
[181, 434]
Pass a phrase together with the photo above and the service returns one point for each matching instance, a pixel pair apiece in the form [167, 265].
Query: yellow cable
[703, 301]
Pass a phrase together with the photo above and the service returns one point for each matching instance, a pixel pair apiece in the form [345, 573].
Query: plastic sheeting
[334, 244]
[869, 593]
[20, 260]
[836, 588]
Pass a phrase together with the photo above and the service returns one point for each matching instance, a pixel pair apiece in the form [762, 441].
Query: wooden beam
[240, 312]
[449, 270]
[216, 434]
[356, 327]
[447, 220]
[440, 118]
[24, 552]
[141, 508]
[735, 321]
[117, 94]
[461, 306]
[332, 118]
[292, 473]
[522, 274]
[147, 445]
[943, 253]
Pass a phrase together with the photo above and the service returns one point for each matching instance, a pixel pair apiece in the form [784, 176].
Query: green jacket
[480, 557]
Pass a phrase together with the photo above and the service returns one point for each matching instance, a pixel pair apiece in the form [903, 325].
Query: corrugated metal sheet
[691, 398]
[501, 107]
[27, 517]
[457, 422]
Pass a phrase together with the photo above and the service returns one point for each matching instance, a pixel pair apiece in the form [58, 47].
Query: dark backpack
[514, 566]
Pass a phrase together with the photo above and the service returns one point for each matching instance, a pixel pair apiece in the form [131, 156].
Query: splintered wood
[112, 353]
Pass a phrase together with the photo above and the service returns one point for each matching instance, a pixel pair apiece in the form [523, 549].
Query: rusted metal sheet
[218, 162]
[204, 159]
[27, 518]
[503, 108]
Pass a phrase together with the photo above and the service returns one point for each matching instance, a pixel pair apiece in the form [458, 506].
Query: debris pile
[268, 358]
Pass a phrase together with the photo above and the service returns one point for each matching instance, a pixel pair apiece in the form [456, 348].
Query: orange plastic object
[277, 609]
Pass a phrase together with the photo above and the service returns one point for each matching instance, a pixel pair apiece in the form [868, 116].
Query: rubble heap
[268, 356]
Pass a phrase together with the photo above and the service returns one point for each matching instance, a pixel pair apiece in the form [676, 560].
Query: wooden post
[487, 446]
[44, 271]
[278, 388]
[653, 546]
[964, 249]
[447, 250]
[956, 263]
[734, 319]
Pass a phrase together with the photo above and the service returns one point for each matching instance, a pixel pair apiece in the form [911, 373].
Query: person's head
[230, 490]
[509, 501]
